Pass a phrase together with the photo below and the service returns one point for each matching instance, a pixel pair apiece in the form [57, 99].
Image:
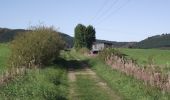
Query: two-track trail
[85, 84]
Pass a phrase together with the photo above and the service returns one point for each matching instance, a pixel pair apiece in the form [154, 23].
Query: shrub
[108, 52]
[37, 47]
[84, 50]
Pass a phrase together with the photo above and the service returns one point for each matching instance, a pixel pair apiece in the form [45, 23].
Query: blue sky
[116, 20]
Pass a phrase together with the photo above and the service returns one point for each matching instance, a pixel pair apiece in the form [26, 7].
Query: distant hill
[118, 44]
[68, 39]
[157, 41]
[6, 35]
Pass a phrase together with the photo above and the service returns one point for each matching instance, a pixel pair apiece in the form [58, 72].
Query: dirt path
[87, 72]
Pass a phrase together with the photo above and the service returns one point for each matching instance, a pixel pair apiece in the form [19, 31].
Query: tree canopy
[84, 36]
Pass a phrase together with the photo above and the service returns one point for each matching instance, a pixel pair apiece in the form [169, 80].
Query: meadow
[4, 55]
[160, 57]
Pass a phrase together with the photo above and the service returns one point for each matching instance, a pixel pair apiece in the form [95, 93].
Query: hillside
[6, 35]
[157, 41]
[118, 44]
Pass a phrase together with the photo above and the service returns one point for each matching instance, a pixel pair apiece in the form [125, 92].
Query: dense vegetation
[38, 47]
[84, 36]
[41, 84]
[158, 41]
[47, 83]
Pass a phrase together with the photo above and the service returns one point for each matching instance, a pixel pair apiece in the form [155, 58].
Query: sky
[115, 20]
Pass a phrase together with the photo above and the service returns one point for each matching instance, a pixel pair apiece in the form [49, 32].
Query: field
[160, 57]
[4, 54]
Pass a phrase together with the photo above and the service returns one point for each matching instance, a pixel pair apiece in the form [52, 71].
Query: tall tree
[90, 36]
[79, 34]
[84, 37]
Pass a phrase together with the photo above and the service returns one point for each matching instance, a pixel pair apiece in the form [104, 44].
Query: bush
[108, 52]
[84, 50]
[37, 47]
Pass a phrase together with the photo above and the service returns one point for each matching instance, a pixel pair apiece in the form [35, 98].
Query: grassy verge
[48, 83]
[127, 86]
[42, 84]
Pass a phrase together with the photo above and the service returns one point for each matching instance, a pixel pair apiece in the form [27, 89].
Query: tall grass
[42, 84]
[127, 86]
[149, 74]
[49, 83]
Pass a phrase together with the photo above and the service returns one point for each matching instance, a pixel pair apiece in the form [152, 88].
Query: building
[98, 46]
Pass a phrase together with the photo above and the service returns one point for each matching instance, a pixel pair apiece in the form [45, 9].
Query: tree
[90, 36]
[84, 37]
[79, 33]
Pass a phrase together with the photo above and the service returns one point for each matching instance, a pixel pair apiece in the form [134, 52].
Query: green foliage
[37, 47]
[110, 51]
[84, 51]
[90, 36]
[40, 84]
[79, 34]
[84, 36]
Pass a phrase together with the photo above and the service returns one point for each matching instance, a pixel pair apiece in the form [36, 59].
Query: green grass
[41, 84]
[161, 57]
[4, 55]
[49, 83]
[87, 89]
[127, 86]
